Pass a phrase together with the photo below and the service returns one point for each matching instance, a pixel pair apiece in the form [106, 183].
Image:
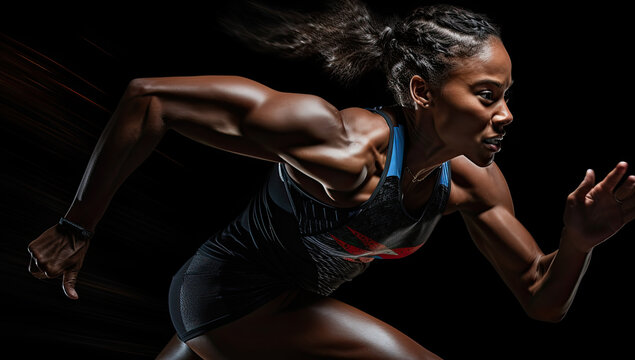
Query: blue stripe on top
[396, 157]
[445, 174]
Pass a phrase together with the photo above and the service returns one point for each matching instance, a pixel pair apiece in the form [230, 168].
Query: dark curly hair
[351, 41]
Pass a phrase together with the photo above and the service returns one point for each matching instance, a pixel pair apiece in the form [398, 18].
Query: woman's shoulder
[475, 188]
[367, 124]
[365, 116]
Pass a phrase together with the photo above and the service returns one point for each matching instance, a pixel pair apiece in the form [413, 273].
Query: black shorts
[208, 292]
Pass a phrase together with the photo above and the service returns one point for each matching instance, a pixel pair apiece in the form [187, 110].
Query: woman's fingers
[55, 254]
[34, 269]
[626, 190]
[69, 279]
[625, 197]
[613, 178]
[41, 265]
[585, 186]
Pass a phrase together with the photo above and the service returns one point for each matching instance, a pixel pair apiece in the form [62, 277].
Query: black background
[64, 69]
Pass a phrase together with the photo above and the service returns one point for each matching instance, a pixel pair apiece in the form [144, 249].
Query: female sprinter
[348, 187]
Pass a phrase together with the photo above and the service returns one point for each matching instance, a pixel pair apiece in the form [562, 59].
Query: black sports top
[286, 239]
[300, 240]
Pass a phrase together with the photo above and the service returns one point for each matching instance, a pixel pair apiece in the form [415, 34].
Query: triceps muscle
[210, 110]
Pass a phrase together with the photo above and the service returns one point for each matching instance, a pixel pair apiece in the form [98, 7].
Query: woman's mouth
[493, 143]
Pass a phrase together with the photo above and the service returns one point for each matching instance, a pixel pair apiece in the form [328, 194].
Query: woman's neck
[424, 149]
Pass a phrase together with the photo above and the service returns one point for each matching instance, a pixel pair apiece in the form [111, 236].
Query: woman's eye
[486, 94]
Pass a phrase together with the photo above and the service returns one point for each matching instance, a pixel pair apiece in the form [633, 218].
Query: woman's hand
[595, 212]
[56, 253]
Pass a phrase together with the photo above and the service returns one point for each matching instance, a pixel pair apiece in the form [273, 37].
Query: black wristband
[79, 230]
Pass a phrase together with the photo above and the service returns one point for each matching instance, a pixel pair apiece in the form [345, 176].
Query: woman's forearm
[129, 138]
[555, 290]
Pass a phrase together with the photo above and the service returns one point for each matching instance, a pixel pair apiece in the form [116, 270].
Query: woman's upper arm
[487, 209]
[242, 116]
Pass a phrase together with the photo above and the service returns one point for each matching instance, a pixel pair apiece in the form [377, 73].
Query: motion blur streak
[51, 118]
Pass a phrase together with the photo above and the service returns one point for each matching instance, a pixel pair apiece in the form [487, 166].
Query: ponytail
[346, 37]
[351, 41]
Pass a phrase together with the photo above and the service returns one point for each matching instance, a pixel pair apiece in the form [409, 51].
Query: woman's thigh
[306, 326]
[176, 350]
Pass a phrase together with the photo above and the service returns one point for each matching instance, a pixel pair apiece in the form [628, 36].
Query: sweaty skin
[338, 156]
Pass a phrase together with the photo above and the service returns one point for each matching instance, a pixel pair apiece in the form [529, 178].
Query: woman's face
[470, 109]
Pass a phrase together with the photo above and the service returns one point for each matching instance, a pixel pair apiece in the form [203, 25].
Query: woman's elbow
[140, 108]
[138, 87]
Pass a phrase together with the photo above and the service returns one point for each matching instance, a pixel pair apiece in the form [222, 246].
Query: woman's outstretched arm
[545, 285]
[231, 113]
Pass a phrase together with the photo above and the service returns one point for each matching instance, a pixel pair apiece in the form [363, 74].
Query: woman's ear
[420, 91]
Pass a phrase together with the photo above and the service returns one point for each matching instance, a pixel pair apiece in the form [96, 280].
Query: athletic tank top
[316, 246]
[379, 228]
